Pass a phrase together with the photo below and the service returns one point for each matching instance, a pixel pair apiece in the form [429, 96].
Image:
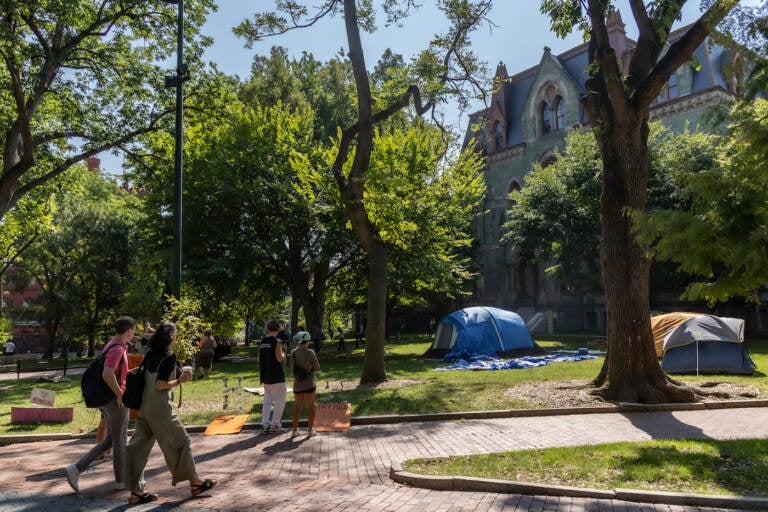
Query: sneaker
[294, 431]
[276, 430]
[73, 475]
[265, 429]
[310, 432]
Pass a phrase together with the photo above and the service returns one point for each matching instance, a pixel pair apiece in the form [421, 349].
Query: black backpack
[95, 391]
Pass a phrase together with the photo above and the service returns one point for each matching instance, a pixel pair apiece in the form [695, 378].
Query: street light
[177, 81]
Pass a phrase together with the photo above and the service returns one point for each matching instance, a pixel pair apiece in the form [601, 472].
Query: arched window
[546, 118]
[672, 86]
[499, 136]
[560, 113]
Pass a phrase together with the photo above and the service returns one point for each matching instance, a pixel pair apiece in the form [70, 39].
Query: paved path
[348, 472]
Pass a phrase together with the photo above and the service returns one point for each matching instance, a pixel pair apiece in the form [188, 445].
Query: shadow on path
[664, 425]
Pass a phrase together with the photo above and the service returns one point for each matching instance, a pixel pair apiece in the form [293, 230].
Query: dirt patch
[339, 385]
[576, 393]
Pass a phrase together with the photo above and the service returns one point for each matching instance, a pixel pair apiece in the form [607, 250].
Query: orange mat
[226, 425]
[332, 417]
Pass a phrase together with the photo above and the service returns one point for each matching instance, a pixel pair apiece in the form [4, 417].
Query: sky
[517, 38]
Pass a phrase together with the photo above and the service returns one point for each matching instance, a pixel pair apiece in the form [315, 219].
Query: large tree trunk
[374, 369]
[314, 310]
[631, 371]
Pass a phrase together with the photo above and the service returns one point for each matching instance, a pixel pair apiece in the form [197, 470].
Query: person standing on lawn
[158, 420]
[272, 376]
[207, 349]
[114, 414]
[304, 364]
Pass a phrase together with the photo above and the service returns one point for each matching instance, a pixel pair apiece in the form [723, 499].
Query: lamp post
[177, 81]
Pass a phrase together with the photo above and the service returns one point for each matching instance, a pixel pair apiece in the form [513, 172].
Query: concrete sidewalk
[351, 471]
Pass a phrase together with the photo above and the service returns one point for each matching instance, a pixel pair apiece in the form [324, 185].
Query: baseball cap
[302, 336]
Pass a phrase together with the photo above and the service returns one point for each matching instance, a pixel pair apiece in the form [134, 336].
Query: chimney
[617, 38]
[93, 163]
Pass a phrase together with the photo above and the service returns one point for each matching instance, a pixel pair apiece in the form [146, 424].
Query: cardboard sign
[226, 425]
[333, 417]
[42, 397]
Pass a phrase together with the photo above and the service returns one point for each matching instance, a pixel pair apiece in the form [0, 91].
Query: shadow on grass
[735, 466]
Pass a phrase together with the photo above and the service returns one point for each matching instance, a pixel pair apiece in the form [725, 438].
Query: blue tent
[475, 331]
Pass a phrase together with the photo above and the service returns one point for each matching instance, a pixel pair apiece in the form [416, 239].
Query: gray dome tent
[698, 343]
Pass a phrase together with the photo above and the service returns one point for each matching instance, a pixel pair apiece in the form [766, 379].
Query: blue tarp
[491, 363]
[486, 331]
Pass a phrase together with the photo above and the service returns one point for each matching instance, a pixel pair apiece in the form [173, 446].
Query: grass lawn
[705, 466]
[414, 386]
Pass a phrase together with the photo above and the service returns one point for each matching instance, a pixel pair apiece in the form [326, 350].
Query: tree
[727, 219]
[556, 216]
[315, 244]
[82, 262]
[446, 69]
[423, 202]
[617, 99]
[77, 78]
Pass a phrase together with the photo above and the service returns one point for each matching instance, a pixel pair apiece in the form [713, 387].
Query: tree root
[659, 392]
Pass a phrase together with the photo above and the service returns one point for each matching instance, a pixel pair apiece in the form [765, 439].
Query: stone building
[529, 114]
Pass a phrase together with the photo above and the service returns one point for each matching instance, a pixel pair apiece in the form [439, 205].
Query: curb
[462, 483]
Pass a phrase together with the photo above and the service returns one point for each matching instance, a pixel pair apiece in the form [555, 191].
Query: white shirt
[10, 347]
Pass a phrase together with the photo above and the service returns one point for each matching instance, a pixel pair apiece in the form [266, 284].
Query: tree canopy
[446, 70]
[80, 77]
[728, 214]
[556, 215]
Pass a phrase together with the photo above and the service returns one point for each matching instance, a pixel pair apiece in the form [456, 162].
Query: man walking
[114, 413]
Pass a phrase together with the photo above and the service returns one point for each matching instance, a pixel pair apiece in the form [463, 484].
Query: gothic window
[499, 136]
[560, 113]
[546, 118]
[669, 90]
[672, 86]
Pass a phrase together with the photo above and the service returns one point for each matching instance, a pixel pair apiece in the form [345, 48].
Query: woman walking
[157, 420]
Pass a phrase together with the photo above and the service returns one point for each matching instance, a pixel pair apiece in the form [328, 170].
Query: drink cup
[188, 370]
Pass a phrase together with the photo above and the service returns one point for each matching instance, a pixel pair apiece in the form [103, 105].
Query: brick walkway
[349, 471]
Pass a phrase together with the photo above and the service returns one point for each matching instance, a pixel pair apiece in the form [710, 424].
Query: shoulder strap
[160, 363]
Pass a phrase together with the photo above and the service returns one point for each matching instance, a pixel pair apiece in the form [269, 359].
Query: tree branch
[67, 163]
[680, 51]
[608, 73]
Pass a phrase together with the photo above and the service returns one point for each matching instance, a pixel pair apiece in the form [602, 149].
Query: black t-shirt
[270, 369]
[166, 365]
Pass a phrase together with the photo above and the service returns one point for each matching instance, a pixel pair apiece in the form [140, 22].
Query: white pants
[273, 393]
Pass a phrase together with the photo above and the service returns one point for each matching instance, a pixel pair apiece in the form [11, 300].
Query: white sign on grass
[43, 397]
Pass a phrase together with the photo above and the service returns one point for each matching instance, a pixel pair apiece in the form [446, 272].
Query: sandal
[137, 499]
[205, 485]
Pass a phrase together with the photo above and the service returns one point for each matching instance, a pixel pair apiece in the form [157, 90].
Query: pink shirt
[112, 360]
